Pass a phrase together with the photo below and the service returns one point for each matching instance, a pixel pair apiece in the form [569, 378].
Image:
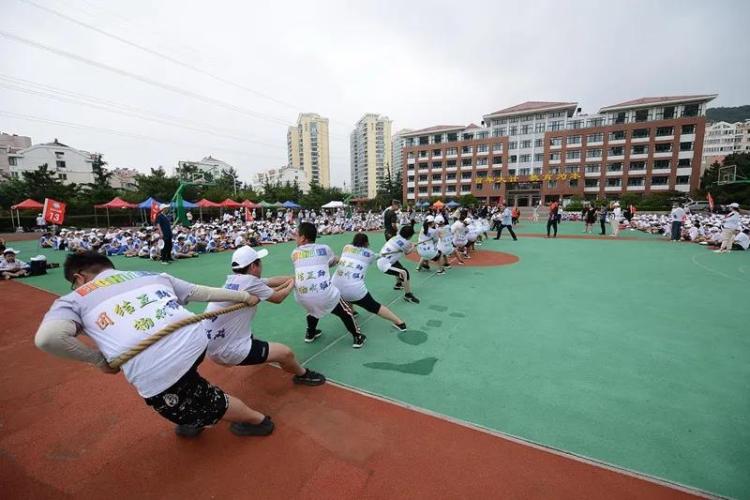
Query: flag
[710, 202]
[154, 211]
[54, 211]
[180, 216]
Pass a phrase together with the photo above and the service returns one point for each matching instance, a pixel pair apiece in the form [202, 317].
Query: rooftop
[436, 128]
[530, 106]
[650, 101]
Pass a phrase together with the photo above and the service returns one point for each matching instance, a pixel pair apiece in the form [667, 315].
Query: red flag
[710, 202]
[154, 211]
[54, 211]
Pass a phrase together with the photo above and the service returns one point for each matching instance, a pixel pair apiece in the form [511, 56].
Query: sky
[151, 83]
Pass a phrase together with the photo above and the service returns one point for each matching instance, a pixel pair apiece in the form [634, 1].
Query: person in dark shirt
[390, 220]
[165, 228]
[552, 218]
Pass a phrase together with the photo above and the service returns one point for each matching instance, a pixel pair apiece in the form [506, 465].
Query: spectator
[10, 267]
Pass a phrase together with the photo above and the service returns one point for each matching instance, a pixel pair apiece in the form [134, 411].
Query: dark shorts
[392, 271]
[258, 353]
[368, 304]
[192, 400]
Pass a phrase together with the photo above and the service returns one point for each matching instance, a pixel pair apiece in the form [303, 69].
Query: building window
[574, 139]
[663, 148]
[482, 162]
[451, 151]
[691, 110]
[614, 167]
[466, 175]
[688, 129]
[573, 155]
[513, 159]
[617, 135]
[497, 148]
[595, 138]
[573, 183]
[59, 154]
[614, 182]
[12, 161]
[465, 150]
[616, 151]
[63, 177]
[594, 153]
[436, 152]
[483, 148]
[662, 164]
[551, 184]
[571, 169]
[641, 115]
[554, 156]
[524, 158]
[637, 165]
[556, 125]
[683, 162]
[452, 137]
[620, 117]
[513, 130]
[513, 145]
[436, 177]
[422, 178]
[659, 180]
[538, 143]
[526, 144]
[640, 133]
[466, 162]
[662, 131]
[639, 150]
[686, 146]
[538, 156]
[682, 179]
[437, 164]
[60, 164]
[525, 129]
[424, 140]
[451, 163]
[635, 181]
[496, 160]
[539, 127]
[593, 169]
[591, 183]
[555, 141]
[465, 187]
[524, 171]
[422, 190]
[437, 139]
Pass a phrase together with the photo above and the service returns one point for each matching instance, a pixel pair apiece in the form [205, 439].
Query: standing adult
[677, 216]
[165, 229]
[603, 213]
[506, 221]
[390, 220]
[616, 218]
[552, 218]
[589, 217]
[729, 228]
[41, 224]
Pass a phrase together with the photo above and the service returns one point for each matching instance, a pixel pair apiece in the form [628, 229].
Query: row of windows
[619, 135]
[640, 149]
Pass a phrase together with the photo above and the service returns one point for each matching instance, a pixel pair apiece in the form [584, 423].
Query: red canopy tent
[204, 203]
[114, 203]
[249, 204]
[27, 204]
[230, 204]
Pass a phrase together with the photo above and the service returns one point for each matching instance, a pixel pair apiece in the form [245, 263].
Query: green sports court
[631, 352]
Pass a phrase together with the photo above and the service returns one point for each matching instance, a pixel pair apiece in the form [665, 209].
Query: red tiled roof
[653, 100]
[533, 106]
[435, 129]
[472, 126]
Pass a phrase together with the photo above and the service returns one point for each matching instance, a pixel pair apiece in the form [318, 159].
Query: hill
[731, 114]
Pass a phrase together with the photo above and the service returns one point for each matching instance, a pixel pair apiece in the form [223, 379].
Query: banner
[710, 202]
[54, 211]
[154, 211]
[180, 216]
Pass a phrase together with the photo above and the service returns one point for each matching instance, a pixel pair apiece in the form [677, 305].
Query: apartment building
[398, 141]
[307, 147]
[282, 176]
[370, 149]
[10, 145]
[724, 138]
[207, 169]
[546, 150]
[69, 164]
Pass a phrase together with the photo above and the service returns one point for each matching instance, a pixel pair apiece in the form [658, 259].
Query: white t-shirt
[459, 233]
[118, 309]
[392, 251]
[230, 336]
[742, 240]
[40, 221]
[445, 240]
[678, 214]
[426, 244]
[731, 221]
[313, 289]
[351, 271]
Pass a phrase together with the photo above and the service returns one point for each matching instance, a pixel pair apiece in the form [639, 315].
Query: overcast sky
[420, 63]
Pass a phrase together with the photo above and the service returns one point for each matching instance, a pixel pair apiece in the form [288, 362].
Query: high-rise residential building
[397, 145]
[282, 176]
[207, 169]
[70, 165]
[10, 145]
[547, 150]
[723, 139]
[370, 154]
[307, 147]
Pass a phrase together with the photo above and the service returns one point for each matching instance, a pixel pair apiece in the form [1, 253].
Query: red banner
[154, 211]
[54, 211]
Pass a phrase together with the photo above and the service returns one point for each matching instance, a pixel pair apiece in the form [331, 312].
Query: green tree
[468, 200]
[157, 184]
[99, 191]
[728, 193]
[41, 183]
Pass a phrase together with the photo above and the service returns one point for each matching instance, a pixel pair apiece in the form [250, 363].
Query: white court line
[347, 334]
[532, 444]
[714, 271]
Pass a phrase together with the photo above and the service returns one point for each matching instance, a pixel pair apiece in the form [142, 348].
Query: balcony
[682, 187]
[635, 171]
[451, 155]
[660, 187]
[450, 181]
[684, 170]
[554, 162]
[555, 146]
[636, 188]
[616, 157]
[614, 173]
[641, 156]
[497, 165]
[410, 161]
[410, 184]
[664, 154]
[595, 143]
[451, 169]
[687, 138]
[591, 189]
[639, 140]
[480, 167]
[612, 189]
[615, 142]
[685, 154]
[479, 153]
[664, 138]
[411, 196]
[592, 174]
[437, 157]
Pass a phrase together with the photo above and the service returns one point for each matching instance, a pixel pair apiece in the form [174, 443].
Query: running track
[68, 430]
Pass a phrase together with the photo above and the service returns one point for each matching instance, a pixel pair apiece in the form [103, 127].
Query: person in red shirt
[552, 218]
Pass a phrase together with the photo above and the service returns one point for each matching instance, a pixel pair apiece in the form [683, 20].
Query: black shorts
[393, 272]
[258, 353]
[192, 400]
[368, 304]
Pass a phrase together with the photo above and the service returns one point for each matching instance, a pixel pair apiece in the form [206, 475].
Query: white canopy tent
[334, 204]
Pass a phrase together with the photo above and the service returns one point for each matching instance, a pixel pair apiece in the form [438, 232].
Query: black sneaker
[188, 431]
[401, 327]
[311, 336]
[398, 286]
[355, 312]
[309, 378]
[440, 271]
[359, 341]
[247, 429]
[411, 298]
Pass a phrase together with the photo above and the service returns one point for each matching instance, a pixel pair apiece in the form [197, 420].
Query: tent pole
[108, 224]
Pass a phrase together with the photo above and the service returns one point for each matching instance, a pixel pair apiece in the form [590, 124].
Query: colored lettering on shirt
[143, 324]
[125, 307]
[103, 321]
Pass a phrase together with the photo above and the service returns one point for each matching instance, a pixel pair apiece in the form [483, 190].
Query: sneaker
[440, 272]
[355, 312]
[247, 429]
[411, 298]
[188, 431]
[401, 327]
[309, 378]
[447, 266]
[311, 336]
[398, 286]
[359, 341]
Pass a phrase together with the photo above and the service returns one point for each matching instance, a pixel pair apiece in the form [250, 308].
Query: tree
[468, 200]
[157, 184]
[738, 192]
[41, 183]
[99, 191]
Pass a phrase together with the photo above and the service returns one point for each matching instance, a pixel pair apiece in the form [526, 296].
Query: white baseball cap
[734, 205]
[430, 218]
[162, 206]
[11, 250]
[246, 255]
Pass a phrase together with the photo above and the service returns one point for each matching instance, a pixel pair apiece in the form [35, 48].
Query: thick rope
[145, 343]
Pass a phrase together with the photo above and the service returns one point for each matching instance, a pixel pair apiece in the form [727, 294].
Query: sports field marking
[714, 271]
[347, 334]
[525, 442]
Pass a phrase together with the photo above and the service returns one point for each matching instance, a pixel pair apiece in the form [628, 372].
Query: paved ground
[629, 352]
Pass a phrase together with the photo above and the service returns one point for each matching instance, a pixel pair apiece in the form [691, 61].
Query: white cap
[162, 206]
[430, 218]
[439, 219]
[734, 205]
[244, 256]
[11, 250]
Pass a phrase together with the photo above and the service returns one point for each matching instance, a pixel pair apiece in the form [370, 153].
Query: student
[230, 336]
[426, 247]
[117, 310]
[616, 218]
[552, 218]
[729, 228]
[445, 242]
[603, 218]
[392, 251]
[506, 221]
[349, 278]
[460, 239]
[313, 289]
[10, 267]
